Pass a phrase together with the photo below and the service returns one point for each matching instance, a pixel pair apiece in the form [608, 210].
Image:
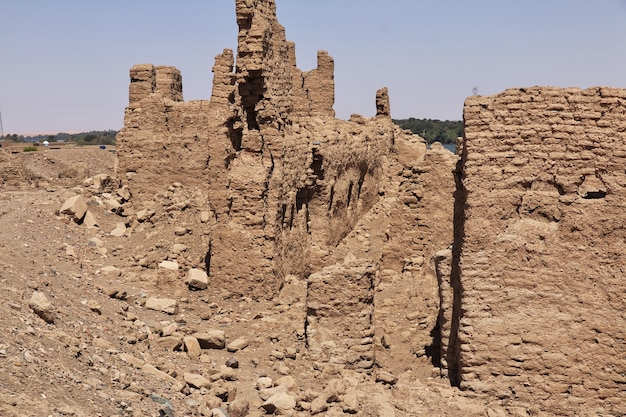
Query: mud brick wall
[540, 271]
[163, 136]
[340, 307]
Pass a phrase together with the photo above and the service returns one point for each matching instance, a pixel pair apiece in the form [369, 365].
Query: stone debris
[196, 381]
[165, 305]
[192, 346]
[197, 279]
[238, 344]
[211, 339]
[169, 265]
[111, 271]
[119, 231]
[41, 306]
[75, 207]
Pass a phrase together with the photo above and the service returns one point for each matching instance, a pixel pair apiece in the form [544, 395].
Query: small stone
[178, 248]
[169, 265]
[212, 339]
[90, 219]
[112, 205]
[119, 230]
[40, 304]
[165, 305]
[218, 412]
[197, 279]
[111, 271]
[386, 377]
[167, 343]
[123, 192]
[196, 381]
[264, 382]
[66, 410]
[286, 381]
[143, 215]
[94, 241]
[181, 231]
[318, 405]
[94, 306]
[131, 360]
[232, 362]
[205, 216]
[267, 393]
[192, 346]
[238, 344]
[351, 401]
[238, 408]
[279, 403]
[75, 207]
[169, 329]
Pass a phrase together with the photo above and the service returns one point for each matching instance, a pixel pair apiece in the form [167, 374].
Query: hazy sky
[64, 63]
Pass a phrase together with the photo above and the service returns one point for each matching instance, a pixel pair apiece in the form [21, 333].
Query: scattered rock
[386, 377]
[119, 230]
[280, 403]
[196, 381]
[131, 360]
[181, 231]
[318, 405]
[197, 279]
[169, 265]
[167, 343]
[264, 382]
[238, 408]
[166, 305]
[152, 371]
[238, 344]
[112, 205]
[205, 216]
[90, 219]
[232, 362]
[94, 306]
[287, 381]
[75, 207]
[111, 271]
[178, 248]
[212, 339]
[40, 304]
[192, 346]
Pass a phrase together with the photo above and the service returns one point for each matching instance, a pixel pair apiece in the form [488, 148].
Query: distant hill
[94, 137]
[433, 130]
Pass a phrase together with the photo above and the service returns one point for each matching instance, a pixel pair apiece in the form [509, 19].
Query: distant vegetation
[95, 137]
[433, 130]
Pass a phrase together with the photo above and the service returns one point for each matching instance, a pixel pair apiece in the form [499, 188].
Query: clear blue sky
[64, 63]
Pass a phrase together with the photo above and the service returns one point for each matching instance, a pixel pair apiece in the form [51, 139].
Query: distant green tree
[433, 130]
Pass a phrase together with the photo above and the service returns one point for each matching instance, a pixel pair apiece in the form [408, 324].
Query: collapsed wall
[271, 185]
[536, 313]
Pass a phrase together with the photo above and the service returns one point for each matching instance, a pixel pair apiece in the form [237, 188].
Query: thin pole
[1, 128]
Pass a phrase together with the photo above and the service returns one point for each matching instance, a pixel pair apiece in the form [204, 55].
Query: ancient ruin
[250, 254]
[292, 191]
[528, 301]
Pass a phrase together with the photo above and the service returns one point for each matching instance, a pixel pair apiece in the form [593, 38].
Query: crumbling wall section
[541, 263]
[163, 136]
[420, 225]
[339, 322]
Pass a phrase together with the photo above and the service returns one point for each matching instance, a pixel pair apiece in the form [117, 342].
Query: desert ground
[86, 333]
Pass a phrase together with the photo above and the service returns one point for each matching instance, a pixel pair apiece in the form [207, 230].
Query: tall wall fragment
[271, 185]
[541, 241]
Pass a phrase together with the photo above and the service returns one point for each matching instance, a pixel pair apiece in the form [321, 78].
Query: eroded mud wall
[541, 263]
